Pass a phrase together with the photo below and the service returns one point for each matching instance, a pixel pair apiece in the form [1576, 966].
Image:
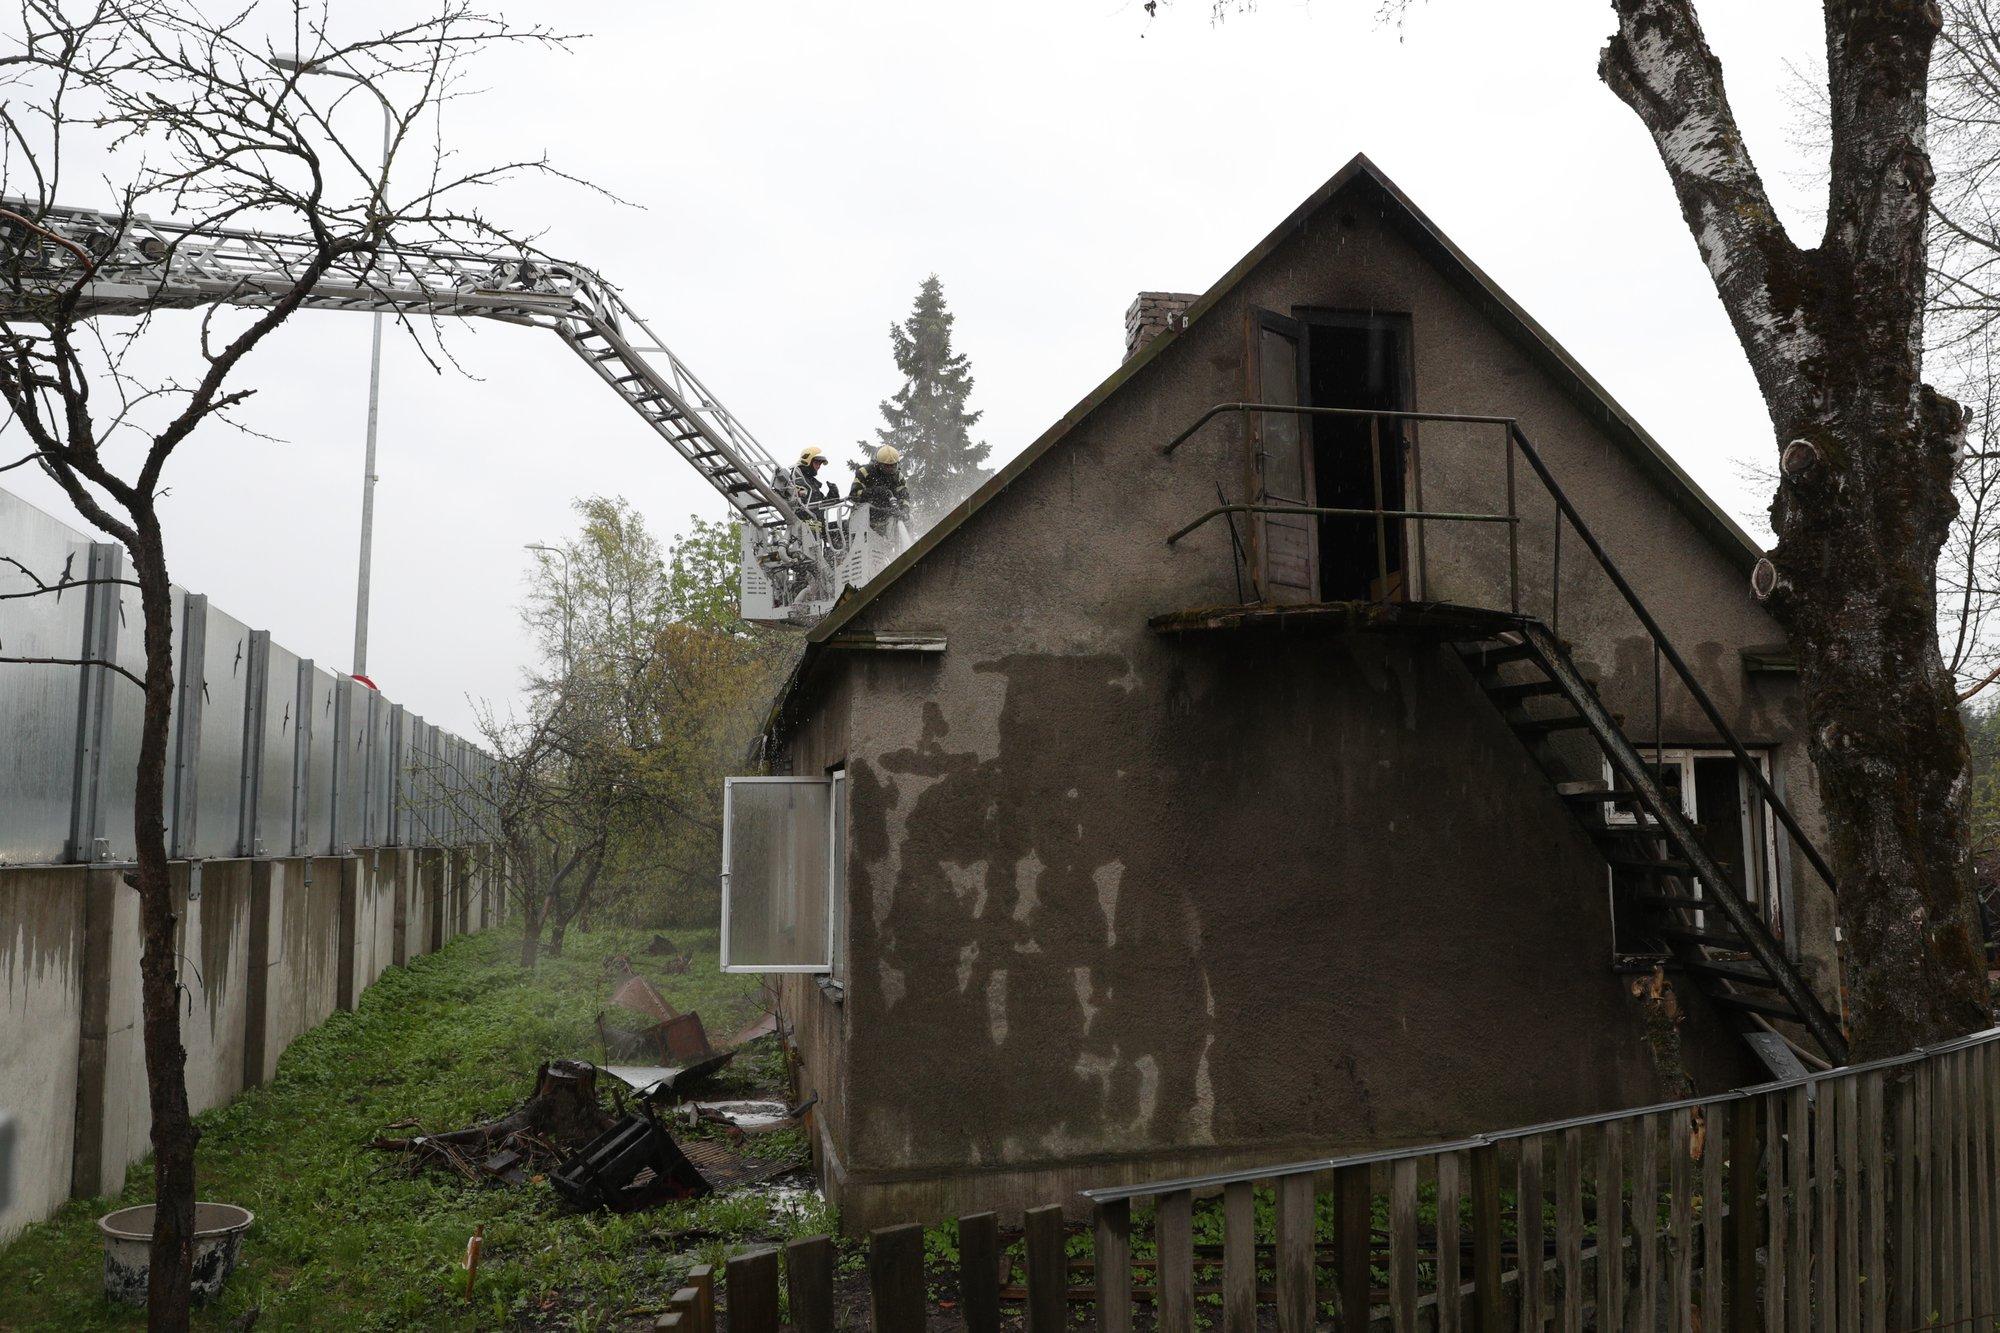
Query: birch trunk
[1864, 501]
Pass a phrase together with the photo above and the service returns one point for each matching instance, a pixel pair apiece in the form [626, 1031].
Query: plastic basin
[128, 1238]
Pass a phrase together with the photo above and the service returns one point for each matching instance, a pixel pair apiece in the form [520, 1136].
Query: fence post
[1048, 1269]
[1112, 1264]
[1239, 1257]
[1745, 1225]
[809, 1279]
[1173, 1238]
[702, 1278]
[979, 1272]
[753, 1292]
[1489, 1302]
[1354, 1222]
[895, 1279]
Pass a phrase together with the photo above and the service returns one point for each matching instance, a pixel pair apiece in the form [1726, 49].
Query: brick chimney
[1152, 314]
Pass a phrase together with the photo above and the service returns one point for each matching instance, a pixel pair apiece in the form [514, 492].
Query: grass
[346, 1238]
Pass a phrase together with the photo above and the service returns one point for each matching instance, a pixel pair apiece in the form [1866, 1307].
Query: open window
[780, 873]
[1729, 817]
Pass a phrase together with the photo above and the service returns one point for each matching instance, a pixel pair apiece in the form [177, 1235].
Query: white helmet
[888, 456]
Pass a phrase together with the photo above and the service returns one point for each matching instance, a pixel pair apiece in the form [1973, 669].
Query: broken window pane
[776, 867]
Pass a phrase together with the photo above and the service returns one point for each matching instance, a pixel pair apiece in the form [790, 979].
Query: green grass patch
[345, 1237]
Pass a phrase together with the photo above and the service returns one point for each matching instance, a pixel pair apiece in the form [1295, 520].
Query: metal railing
[1514, 443]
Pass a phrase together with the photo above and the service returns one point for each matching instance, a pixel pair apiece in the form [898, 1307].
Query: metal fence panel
[381, 767]
[319, 765]
[351, 709]
[270, 743]
[279, 739]
[123, 722]
[38, 704]
[400, 720]
[219, 760]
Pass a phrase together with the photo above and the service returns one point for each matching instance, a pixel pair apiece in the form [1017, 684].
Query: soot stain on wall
[1024, 892]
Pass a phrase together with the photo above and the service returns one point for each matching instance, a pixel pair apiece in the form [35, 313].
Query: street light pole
[569, 599]
[361, 578]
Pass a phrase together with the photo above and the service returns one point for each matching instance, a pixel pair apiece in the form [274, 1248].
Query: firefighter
[880, 486]
[802, 481]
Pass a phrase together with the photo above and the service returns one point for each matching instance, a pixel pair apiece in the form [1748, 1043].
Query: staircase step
[1600, 795]
[1488, 657]
[1714, 939]
[1756, 1004]
[1749, 974]
[1644, 829]
[1673, 900]
[1640, 865]
[1543, 726]
[1510, 694]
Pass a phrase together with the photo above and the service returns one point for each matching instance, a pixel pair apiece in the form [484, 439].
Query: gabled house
[1223, 784]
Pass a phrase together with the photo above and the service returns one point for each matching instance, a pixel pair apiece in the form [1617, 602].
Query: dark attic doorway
[1359, 359]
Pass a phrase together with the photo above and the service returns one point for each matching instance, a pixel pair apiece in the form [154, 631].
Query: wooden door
[1281, 464]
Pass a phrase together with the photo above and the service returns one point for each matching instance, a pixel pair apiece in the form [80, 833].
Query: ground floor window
[1730, 818]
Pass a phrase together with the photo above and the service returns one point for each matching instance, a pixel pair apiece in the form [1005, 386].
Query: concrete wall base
[271, 948]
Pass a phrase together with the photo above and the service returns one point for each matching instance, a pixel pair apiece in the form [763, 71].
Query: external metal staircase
[1527, 671]
[1692, 904]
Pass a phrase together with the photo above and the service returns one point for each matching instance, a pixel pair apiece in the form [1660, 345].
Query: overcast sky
[798, 168]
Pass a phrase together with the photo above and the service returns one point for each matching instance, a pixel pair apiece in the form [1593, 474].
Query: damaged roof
[1362, 176]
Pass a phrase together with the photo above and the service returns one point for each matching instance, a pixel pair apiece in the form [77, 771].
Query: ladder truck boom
[795, 564]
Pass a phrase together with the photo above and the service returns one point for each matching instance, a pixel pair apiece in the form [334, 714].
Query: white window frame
[729, 786]
[1683, 757]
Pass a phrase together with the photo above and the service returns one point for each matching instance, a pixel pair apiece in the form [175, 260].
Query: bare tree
[204, 123]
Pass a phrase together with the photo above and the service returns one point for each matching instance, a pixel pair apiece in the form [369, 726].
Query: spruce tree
[927, 420]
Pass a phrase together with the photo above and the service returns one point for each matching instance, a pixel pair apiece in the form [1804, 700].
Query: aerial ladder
[796, 559]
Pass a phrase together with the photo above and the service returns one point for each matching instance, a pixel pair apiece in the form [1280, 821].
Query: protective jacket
[883, 490]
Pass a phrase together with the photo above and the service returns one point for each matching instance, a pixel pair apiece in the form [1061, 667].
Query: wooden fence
[1859, 1199]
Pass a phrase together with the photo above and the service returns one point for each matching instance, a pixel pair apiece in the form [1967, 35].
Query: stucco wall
[1118, 901]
